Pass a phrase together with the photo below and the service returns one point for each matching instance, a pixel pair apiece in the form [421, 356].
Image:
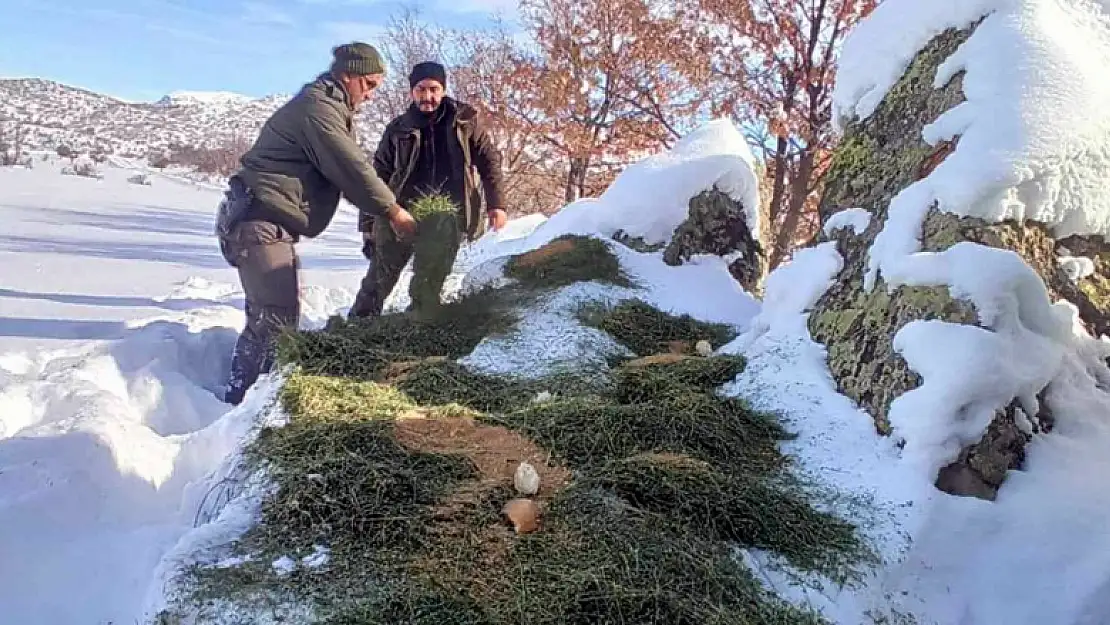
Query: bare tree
[11, 142]
[604, 84]
[775, 66]
[482, 76]
[407, 41]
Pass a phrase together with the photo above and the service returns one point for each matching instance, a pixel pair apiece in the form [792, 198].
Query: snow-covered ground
[117, 319]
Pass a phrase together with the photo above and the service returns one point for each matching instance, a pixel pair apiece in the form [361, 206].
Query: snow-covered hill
[204, 98]
[49, 115]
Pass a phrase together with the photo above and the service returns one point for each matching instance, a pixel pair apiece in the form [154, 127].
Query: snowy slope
[213, 98]
[117, 317]
[48, 115]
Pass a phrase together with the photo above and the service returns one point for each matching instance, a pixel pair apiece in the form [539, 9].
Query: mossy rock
[981, 468]
[717, 225]
[1092, 294]
[878, 158]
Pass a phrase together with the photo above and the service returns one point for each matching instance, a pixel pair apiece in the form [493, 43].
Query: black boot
[366, 304]
[253, 356]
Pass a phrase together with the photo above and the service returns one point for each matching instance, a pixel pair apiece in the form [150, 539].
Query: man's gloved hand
[368, 245]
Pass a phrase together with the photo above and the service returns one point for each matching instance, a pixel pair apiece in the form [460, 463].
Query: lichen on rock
[981, 468]
[877, 159]
[1092, 293]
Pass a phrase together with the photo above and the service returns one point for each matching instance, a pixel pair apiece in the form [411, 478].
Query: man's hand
[402, 223]
[497, 218]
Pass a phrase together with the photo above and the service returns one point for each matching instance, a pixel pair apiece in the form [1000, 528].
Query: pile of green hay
[364, 347]
[400, 460]
[566, 260]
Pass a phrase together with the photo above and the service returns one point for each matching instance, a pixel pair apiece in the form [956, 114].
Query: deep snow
[117, 319]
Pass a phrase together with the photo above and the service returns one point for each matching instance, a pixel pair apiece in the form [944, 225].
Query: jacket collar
[334, 88]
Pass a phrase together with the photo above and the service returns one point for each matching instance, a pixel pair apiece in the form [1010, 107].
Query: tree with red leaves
[774, 63]
[608, 82]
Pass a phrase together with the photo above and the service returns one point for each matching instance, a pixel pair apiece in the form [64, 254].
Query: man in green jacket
[289, 187]
[439, 146]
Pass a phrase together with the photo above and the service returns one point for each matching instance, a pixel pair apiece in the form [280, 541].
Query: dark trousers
[266, 258]
[432, 252]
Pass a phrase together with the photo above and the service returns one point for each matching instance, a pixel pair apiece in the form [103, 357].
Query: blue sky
[143, 49]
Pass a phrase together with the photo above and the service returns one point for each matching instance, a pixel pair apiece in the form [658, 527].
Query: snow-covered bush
[83, 167]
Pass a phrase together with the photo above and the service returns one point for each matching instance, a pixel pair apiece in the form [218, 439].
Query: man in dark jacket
[437, 147]
[289, 186]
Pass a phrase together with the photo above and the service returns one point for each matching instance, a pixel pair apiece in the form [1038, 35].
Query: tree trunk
[575, 174]
[799, 187]
[778, 190]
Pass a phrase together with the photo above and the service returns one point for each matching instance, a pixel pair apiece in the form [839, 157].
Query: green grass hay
[399, 460]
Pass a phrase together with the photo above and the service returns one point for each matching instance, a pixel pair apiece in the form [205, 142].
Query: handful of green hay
[434, 251]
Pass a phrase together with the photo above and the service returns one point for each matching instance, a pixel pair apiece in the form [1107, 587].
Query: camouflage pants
[432, 252]
[268, 267]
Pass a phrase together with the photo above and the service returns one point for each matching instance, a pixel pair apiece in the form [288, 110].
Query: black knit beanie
[357, 58]
[428, 69]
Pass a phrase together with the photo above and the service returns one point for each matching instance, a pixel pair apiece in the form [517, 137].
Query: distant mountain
[210, 98]
[50, 115]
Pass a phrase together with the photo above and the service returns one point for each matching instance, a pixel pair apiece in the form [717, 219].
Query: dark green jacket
[305, 157]
[472, 150]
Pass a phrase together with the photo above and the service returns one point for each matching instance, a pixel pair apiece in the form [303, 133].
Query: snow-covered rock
[977, 137]
[699, 198]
